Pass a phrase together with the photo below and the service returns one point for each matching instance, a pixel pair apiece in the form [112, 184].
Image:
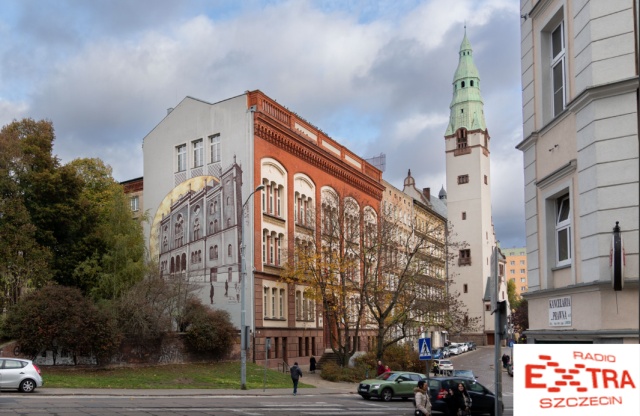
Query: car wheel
[27, 386]
[387, 394]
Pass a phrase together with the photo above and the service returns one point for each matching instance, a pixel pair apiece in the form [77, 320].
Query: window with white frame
[135, 203]
[274, 295]
[198, 153]
[265, 301]
[282, 298]
[558, 69]
[563, 230]
[181, 152]
[214, 144]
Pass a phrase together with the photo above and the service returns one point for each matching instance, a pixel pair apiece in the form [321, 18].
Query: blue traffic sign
[424, 348]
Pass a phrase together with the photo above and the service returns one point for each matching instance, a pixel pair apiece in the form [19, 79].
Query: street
[327, 399]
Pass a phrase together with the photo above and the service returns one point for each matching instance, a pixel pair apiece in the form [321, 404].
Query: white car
[454, 349]
[19, 373]
[463, 347]
[445, 367]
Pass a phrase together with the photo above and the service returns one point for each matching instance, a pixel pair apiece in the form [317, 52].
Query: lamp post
[244, 339]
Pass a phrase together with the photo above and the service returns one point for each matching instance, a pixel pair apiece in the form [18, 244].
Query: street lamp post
[244, 339]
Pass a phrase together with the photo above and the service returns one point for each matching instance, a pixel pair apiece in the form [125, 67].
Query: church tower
[469, 194]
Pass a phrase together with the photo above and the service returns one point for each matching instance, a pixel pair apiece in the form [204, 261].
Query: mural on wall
[196, 235]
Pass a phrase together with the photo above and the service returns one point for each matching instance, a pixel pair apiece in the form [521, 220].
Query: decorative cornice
[558, 174]
[316, 156]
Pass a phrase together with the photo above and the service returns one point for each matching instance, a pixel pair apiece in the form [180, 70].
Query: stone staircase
[327, 356]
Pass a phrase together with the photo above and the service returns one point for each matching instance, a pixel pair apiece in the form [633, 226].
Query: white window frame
[214, 144]
[563, 226]
[198, 153]
[181, 155]
[558, 61]
[135, 203]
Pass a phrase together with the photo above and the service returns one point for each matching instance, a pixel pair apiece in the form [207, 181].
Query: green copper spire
[466, 105]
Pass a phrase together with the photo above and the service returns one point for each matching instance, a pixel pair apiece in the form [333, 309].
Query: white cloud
[374, 77]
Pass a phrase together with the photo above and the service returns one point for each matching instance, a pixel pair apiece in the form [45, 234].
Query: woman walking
[423, 403]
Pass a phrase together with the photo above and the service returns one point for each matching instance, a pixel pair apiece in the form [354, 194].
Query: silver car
[18, 373]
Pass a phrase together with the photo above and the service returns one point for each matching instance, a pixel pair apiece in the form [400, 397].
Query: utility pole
[244, 333]
[498, 311]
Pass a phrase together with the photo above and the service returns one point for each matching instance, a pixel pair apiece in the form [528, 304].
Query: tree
[24, 262]
[55, 318]
[376, 272]
[520, 318]
[514, 298]
[66, 223]
[324, 261]
[209, 331]
[404, 280]
[119, 264]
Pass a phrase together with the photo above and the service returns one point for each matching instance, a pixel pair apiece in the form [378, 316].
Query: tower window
[486, 182]
[464, 216]
[471, 83]
[466, 288]
[462, 84]
[461, 138]
[462, 179]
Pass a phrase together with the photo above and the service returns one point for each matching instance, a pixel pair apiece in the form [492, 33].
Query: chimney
[427, 193]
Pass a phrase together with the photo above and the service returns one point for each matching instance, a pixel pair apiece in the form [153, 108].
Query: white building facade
[469, 197]
[580, 148]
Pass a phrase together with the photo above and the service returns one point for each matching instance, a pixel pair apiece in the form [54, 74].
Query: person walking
[296, 373]
[505, 360]
[381, 368]
[422, 400]
[312, 365]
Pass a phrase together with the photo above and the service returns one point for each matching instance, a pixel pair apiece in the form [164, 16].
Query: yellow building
[516, 268]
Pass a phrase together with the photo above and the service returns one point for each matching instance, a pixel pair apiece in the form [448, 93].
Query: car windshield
[466, 373]
[445, 362]
[388, 376]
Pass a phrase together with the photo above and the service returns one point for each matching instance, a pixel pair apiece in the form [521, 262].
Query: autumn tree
[325, 262]
[404, 276]
[56, 318]
[24, 262]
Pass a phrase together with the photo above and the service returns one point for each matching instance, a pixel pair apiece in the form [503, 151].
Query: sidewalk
[322, 387]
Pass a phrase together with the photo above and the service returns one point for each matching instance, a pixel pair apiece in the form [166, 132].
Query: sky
[374, 75]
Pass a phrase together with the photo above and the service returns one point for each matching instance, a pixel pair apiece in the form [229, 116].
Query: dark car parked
[482, 399]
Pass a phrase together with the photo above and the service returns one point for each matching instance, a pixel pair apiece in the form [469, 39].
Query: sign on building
[560, 311]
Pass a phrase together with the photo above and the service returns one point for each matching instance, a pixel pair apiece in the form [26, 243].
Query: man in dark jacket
[296, 373]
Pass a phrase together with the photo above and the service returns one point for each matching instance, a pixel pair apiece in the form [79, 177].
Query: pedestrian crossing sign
[424, 347]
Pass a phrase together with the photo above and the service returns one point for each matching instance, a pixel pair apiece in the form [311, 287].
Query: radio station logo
[567, 379]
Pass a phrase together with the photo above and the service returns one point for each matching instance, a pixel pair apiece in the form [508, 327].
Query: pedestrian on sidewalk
[505, 360]
[422, 401]
[381, 368]
[296, 373]
[312, 365]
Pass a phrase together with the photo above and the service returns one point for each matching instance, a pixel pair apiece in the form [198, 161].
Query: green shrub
[209, 331]
[331, 371]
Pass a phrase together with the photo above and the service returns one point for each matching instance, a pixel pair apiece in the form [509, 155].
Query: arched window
[211, 252]
[215, 252]
[462, 84]
[471, 83]
[228, 222]
[229, 250]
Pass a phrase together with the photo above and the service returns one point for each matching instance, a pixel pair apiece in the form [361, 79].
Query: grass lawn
[172, 376]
